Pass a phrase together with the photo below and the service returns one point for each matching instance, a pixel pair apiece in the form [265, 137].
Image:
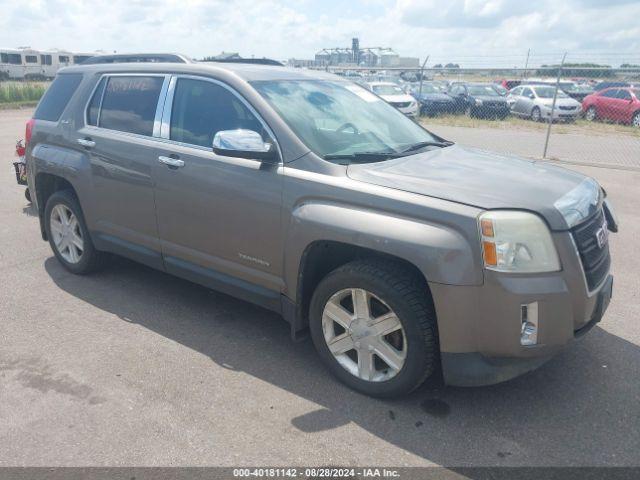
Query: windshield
[547, 92]
[341, 118]
[636, 92]
[387, 90]
[484, 90]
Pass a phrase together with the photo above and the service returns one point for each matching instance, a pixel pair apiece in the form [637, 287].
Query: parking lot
[134, 367]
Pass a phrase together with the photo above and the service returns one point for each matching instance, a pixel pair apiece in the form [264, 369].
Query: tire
[390, 286]
[27, 195]
[536, 116]
[87, 259]
[635, 121]
[591, 114]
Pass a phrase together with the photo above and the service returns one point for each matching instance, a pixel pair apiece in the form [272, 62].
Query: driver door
[218, 217]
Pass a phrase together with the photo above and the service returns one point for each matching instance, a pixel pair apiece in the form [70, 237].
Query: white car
[534, 102]
[393, 94]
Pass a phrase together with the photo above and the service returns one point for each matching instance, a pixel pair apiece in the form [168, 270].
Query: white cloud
[465, 31]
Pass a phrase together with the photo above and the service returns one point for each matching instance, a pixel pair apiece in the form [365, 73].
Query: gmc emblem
[602, 235]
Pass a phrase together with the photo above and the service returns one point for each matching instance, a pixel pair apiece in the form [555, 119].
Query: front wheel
[535, 114]
[374, 326]
[591, 114]
[68, 234]
[636, 120]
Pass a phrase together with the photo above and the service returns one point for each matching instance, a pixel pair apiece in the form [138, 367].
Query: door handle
[86, 142]
[172, 162]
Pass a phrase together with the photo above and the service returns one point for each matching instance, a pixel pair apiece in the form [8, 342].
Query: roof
[137, 57]
[375, 84]
[247, 72]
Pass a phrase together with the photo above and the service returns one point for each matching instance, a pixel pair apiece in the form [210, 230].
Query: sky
[473, 33]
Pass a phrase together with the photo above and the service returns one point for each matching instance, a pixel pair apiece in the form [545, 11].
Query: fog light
[529, 328]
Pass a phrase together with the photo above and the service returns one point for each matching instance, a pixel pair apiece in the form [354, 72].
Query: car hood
[564, 102]
[476, 177]
[490, 98]
[436, 97]
[398, 98]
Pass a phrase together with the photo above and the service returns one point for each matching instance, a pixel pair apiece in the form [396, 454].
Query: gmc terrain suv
[403, 254]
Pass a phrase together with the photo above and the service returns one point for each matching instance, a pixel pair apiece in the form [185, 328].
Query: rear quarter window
[57, 97]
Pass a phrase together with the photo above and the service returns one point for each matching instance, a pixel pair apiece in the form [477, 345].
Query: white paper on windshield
[363, 93]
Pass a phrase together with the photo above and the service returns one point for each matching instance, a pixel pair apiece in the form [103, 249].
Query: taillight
[28, 131]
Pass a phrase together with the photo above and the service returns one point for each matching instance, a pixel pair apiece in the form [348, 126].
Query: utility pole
[553, 106]
[421, 80]
[526, 64]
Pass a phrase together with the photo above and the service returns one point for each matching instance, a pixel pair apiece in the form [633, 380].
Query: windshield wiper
[360, 157]
[419, 145]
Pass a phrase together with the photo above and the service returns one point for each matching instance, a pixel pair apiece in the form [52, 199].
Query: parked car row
[532, 100]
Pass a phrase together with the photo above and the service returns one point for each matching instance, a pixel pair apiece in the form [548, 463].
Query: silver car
[535, 102]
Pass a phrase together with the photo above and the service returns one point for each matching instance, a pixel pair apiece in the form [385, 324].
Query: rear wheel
[535, 114]
[591, 114]
[374, 327]
[68, 234]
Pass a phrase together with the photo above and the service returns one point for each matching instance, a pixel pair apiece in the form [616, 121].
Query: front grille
[401, 104]
[566, 107]
[595, 260]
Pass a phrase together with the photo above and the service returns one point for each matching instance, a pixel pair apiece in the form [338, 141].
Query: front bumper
[410, 111]
[561, 114]
[490, 111]
[480, 326]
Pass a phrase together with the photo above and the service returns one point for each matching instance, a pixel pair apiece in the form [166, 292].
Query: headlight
[514, 241]
[580, 202]
[478, 102]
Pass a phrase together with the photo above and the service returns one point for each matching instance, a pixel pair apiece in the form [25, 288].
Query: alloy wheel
[591, 114]
[364, 335]
[636, 120]
[66, 233]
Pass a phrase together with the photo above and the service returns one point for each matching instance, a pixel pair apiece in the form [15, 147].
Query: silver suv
[402, 254]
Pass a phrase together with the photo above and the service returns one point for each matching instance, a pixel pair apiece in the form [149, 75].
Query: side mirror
[244, 144]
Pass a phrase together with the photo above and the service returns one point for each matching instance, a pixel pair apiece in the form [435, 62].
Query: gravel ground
[621, 151]
[134, 367]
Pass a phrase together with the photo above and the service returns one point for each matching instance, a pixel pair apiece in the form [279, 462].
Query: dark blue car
[433, 101]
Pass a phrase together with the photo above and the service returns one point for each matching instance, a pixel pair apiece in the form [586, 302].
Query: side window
[45, 59]
[57, 96]
[201, 109]
[129, 104]
[31, 58]
[63, 59]
[527, 92]
[624, 95]
[94, 106]
[610, 93]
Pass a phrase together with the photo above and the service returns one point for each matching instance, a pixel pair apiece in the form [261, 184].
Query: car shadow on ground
[581, 408]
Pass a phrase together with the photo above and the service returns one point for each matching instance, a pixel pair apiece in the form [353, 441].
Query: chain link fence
[568, 108]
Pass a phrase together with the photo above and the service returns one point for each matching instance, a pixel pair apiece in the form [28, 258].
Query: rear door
[606, 103]
[219, 217]
[525, 102]
[121, 119]
[623, 106]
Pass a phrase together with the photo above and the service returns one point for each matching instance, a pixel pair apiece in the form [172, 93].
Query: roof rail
[252, 61]
[137, 58]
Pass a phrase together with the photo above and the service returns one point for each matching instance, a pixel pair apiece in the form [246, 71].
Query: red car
[620, 104]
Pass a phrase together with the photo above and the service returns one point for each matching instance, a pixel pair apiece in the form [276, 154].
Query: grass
[20, 93]
[515, 123]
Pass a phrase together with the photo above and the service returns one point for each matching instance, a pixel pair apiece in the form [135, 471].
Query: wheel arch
[321, 257]
[46, 184]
